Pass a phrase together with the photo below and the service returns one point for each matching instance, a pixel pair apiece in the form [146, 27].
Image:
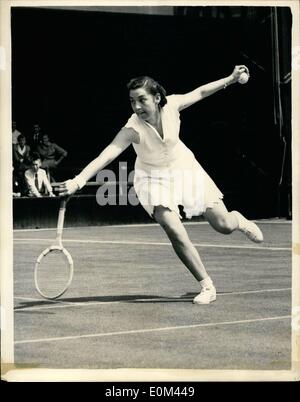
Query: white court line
[128, 225]
[31, 299]
[157, 299]
[135, 225]
[145, 243]
[143, 331]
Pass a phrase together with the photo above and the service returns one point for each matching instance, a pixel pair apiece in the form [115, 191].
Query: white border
[6, 220]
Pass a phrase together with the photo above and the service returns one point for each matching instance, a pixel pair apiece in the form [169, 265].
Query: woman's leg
[226, 222]
[186, 251]
[181, 243]
[220, 219]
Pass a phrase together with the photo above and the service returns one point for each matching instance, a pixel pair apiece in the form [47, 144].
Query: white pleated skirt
[184, 182]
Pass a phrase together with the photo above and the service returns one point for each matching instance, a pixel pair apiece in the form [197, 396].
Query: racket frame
[56, 246]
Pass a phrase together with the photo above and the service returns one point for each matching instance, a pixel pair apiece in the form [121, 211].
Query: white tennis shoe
[250, 229]
[206, 296]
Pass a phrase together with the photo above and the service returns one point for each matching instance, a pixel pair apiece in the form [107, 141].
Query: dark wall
[70, 69]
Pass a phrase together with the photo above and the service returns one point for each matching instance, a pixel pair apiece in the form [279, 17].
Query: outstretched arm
[122, 140]
[203, 91]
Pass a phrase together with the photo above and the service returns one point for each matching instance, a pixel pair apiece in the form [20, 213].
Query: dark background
[70, 69]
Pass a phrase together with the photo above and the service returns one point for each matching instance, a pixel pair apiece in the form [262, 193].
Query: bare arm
[203, 91]
[62, 152]
[122, 140]
[47, 184]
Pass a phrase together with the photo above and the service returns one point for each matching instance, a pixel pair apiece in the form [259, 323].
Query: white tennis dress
[166, 171]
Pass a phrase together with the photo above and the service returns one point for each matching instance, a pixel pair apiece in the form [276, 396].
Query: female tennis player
[166, 172]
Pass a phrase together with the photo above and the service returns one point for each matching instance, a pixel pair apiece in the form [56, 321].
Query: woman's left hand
[237, 72]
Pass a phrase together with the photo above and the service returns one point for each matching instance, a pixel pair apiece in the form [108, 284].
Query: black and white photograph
[149, 191]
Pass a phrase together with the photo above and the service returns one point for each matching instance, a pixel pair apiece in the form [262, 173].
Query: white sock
[206, 282]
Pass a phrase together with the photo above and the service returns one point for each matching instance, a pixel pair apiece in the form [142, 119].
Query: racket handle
[60, 222]
[61, 219]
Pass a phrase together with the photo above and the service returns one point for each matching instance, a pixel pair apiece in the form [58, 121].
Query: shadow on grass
[106, 299]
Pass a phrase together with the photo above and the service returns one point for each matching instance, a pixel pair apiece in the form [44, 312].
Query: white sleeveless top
[166, 171]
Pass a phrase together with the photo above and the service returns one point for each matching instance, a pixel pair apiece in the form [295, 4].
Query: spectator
[37, 179]
[15, 133]
[36, 137]
[21, 151]
[21, 162]
[49, 151]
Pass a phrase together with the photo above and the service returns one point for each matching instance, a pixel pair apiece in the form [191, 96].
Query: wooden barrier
[82, 210]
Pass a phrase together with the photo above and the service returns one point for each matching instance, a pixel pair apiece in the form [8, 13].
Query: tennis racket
[53, 270]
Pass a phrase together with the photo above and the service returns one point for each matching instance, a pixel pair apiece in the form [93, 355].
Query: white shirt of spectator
[21, 151]
[42, 180]
[15, 135]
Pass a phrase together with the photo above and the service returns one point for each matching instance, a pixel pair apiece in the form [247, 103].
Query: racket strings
[53, 274]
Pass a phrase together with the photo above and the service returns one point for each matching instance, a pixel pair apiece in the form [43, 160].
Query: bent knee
[224, 226]
[172, 226]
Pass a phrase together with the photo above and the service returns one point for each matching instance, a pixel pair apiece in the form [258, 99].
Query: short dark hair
[152, 86]
[20, 136]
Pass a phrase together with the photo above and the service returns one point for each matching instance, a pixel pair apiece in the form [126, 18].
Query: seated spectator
[51, 154]
[37, 179]
[15, 133]
[21, 162]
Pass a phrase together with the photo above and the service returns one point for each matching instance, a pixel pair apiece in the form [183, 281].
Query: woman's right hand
[67, 187]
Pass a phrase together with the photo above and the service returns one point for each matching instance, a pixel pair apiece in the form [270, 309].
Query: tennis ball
[244, 77]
